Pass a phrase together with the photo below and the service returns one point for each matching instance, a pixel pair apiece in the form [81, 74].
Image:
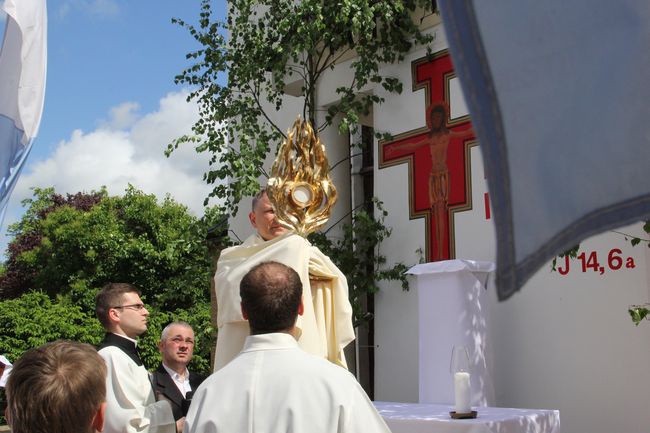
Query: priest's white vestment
[274, 386]
[324, 329]
[131, 406]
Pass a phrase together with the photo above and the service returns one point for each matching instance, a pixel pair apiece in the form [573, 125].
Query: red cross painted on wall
[437, 156]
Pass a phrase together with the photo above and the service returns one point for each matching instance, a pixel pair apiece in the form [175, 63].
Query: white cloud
[128, 149]
[122, 117]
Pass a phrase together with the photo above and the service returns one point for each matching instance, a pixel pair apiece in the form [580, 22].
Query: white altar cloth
[452, 311]
[429, 418]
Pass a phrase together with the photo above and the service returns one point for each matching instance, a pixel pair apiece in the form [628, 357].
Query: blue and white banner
[559, 97]
[23, 62]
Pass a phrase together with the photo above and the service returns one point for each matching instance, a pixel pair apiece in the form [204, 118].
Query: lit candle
[462, 392]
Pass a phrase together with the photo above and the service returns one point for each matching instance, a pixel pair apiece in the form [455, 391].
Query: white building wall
[396, 318]
[563, 342]
[567, 342]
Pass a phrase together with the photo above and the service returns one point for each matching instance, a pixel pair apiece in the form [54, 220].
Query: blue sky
[111, 105]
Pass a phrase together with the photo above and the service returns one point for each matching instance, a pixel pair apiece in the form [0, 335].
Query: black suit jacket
[165, 389]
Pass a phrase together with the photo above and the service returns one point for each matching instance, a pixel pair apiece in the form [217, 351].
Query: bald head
[271, 296]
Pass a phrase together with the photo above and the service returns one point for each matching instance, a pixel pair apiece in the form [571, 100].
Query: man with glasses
[173, 381]
[130, 403]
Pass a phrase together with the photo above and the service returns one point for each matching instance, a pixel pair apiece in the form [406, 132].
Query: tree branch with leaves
[263, 46]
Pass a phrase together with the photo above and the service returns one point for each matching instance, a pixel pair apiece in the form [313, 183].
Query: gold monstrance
[300, 187]
[303, 196]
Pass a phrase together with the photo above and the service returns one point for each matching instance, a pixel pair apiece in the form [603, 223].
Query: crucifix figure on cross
[437, 141]
[437, 155]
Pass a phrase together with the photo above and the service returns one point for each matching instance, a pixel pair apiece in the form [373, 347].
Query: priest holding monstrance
[298, 200]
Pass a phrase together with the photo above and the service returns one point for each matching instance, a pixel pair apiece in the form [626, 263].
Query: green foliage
[34, 319]
[275, 42]
[571, 252]
[65, 249]
[636, 241]
[638, 313]
[158, 247]
[356, 255]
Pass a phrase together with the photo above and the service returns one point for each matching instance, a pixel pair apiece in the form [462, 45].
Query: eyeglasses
[136, 307]
[179, 340]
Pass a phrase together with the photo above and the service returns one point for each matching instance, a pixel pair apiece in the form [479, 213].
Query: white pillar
[452, 303]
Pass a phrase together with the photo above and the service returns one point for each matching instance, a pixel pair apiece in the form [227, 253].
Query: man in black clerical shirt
[173, 381]
[130, 403]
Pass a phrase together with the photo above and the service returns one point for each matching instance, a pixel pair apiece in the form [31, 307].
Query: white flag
[559, 96]
[23, 60]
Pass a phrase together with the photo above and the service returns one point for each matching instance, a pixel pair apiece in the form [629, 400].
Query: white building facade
[564, 342]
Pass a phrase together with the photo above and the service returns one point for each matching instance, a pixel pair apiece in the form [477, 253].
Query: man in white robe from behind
[324, 329]
[273, 385]
[131, 406]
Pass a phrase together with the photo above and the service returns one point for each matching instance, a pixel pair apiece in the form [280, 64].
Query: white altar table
[434, 418]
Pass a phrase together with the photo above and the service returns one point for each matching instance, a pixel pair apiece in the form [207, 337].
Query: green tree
[34, 319]
[65, 249]
[274, 42]
[356, 255]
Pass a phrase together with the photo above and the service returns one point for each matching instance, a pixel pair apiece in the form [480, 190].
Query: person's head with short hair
[271, 298]
[59, 387]
[177, 345]
[120, 310]
[262, 217]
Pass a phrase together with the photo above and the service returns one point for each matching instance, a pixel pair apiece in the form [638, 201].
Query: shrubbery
[65, 249]
[34, 319]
